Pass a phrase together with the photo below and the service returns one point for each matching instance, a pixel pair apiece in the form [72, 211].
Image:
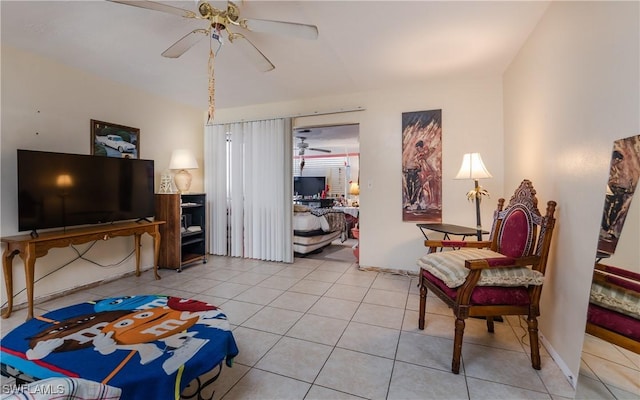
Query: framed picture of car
[113, 140]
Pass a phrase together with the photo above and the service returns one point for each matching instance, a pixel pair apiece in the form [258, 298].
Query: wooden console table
[29, 248]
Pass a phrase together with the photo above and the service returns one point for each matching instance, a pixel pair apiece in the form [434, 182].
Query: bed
[315, 228]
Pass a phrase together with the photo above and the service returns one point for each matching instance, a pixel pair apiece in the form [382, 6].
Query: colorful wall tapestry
[624, 172]
[422, 166]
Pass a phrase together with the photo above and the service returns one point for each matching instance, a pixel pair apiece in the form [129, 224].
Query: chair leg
[532, 323]
[490, 324]
[423, 306]
[457, 346]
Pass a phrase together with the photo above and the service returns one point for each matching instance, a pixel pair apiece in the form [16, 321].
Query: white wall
[47, 106]
[572, 90]
[471, 120]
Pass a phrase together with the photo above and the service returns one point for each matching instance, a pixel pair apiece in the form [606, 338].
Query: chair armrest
[617, 278]
[609, 269]
[457, 243]
[476, 267]
[501, 262]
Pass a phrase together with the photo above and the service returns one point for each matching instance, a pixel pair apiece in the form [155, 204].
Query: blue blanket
[149, 346]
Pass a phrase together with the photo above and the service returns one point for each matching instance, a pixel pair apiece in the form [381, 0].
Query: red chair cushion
[486, 295]
[516, 234]
[614, 321]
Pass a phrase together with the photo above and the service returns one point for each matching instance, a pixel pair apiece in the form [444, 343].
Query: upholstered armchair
[501, 276]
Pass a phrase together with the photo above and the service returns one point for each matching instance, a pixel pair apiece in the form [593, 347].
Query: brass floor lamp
[473, 168]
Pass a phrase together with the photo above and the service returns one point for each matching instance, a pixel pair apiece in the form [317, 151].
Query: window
[335, 168]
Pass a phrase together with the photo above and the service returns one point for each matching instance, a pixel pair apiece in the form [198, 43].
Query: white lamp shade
[473, 167]
[183, 159]
[64, 181]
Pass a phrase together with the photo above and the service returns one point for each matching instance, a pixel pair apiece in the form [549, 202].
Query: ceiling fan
[302, 146]
[221, 19]
[225, 17]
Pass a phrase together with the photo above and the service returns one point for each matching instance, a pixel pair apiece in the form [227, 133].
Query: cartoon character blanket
[149, 346]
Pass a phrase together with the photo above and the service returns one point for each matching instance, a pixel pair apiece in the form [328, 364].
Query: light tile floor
[608, 371]
[318, 329]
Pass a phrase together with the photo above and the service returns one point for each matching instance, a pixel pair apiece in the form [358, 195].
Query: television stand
[316, 203]
[29, 248]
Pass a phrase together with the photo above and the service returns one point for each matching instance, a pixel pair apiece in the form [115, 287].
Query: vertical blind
[248, 182]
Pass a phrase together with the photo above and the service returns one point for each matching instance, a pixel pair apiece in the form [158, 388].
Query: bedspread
[335, 218]
[149, 346]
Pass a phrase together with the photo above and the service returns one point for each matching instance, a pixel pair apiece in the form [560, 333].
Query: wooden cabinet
[184, 232]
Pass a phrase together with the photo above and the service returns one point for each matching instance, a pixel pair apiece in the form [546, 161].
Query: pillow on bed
[300, 208]
[305, 221]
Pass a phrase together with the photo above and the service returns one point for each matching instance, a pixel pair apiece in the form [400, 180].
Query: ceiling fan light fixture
[205, 9]
[233, 12]
[219, 23]
[302, 146]
[221, 19]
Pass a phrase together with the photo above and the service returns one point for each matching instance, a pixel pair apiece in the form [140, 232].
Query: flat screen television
[308, 186]
[58, 190]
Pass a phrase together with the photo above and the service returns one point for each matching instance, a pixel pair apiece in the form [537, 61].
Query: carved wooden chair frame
[534, 253]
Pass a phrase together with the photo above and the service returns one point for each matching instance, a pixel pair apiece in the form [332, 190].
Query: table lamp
[182, 160]
[354, 188]
[473, 168]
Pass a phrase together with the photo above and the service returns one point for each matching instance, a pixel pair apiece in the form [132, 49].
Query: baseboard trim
[573, 381]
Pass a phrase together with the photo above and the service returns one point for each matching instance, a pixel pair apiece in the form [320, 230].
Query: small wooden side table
[448, 229]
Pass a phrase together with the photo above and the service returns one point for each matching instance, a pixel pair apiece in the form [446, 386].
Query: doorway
[329, 153]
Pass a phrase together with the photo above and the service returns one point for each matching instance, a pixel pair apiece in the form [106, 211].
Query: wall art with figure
[624, 172]
[422, 166]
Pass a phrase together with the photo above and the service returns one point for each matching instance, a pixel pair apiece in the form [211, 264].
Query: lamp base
[182, 179]
[478, 223]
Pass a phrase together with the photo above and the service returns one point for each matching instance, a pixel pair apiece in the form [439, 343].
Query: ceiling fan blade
[185, 43]
[301, 31]
[248, 48]
[322, 150]
[151, 5]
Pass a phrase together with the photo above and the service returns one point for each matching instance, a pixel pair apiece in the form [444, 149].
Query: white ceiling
[339, 139]
[362, 45]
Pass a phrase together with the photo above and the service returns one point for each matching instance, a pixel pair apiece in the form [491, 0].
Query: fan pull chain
[212, 90]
